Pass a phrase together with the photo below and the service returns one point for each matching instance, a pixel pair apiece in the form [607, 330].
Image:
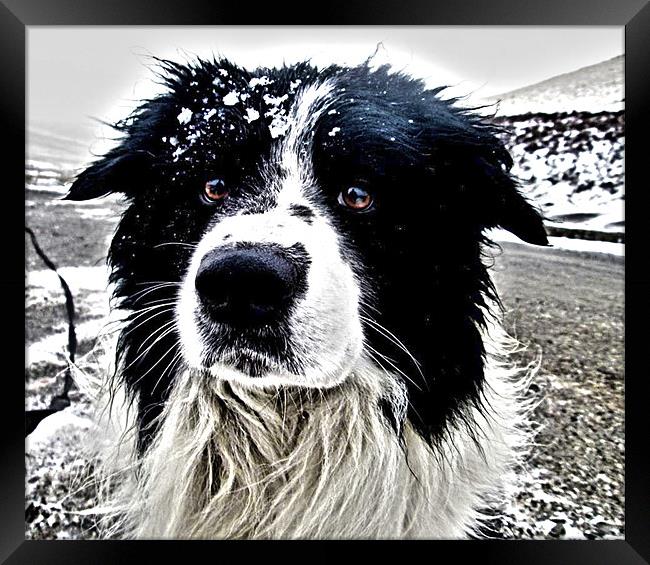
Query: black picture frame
[16, 15]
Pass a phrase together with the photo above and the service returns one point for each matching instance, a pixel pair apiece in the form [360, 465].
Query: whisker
[147, 310]
[144, 353]
[188, 245]
[156, 363]
[385, 371]
[148, 319]
[392, 364]
[168, 327]
[172, 364]
[158, 301]
[392, 337]
[152, 287]
[284, 409]
[162, 327]
[171, 283]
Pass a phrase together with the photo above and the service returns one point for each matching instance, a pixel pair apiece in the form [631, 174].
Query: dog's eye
[356, 198]
[215, 190]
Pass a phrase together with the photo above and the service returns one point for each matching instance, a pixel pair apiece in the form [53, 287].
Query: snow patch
[274, 100]
[178, 152]
[261, 81]
[251, 115]
[53, 349]
[78, 279]
[58, 424]
[185, 116]
[566, 243]
[231, 98]
[279, 126]
[96, 213]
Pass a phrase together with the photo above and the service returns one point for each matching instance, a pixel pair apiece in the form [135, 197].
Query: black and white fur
[377, 402]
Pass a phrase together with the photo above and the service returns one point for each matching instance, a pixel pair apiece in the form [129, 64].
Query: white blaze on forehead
[291, 153]
[310, 104]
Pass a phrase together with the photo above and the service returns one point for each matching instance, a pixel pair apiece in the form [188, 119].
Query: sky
[76, 75]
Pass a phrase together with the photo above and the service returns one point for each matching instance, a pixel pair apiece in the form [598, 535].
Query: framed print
[355, 279]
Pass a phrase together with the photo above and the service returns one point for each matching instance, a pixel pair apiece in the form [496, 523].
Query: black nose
[246, 286]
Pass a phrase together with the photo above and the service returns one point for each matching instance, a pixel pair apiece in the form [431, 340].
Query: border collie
[306, 338]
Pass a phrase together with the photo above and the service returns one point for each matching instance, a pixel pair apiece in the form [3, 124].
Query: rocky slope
[571, 165]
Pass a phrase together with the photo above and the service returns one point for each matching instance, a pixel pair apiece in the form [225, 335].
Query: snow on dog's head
[285, 225]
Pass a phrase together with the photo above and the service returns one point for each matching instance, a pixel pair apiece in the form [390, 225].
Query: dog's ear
[521, 218]
[513, 212]
[500, 201]
[470, 151]
[118, 171]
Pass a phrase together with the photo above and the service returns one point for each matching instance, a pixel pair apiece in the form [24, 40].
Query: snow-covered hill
[571, 165]
[596, 88]
[567, 139]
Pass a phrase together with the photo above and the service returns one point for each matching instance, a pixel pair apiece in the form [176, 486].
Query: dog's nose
[246, 286]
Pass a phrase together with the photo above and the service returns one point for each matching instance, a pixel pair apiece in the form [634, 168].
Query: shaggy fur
[370, 406]
[235, 462]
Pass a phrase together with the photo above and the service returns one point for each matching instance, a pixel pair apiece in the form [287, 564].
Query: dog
[312, 341]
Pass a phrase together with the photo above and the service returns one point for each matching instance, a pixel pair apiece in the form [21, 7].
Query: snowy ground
[566, 243]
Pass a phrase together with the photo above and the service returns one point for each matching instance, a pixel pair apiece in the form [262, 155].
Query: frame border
[16, 15]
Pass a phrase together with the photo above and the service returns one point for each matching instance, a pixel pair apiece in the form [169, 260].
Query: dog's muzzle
[246, 287]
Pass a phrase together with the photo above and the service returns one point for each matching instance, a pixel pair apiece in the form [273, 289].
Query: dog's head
[283, 224]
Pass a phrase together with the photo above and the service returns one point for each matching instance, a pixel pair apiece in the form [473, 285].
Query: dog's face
[284, 223]
[270, 295]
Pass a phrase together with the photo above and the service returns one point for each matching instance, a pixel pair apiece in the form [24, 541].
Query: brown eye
[215, 190]
[356, 198]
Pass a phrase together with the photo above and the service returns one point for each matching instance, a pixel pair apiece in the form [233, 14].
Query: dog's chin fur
[237, 461]
[273, 377]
